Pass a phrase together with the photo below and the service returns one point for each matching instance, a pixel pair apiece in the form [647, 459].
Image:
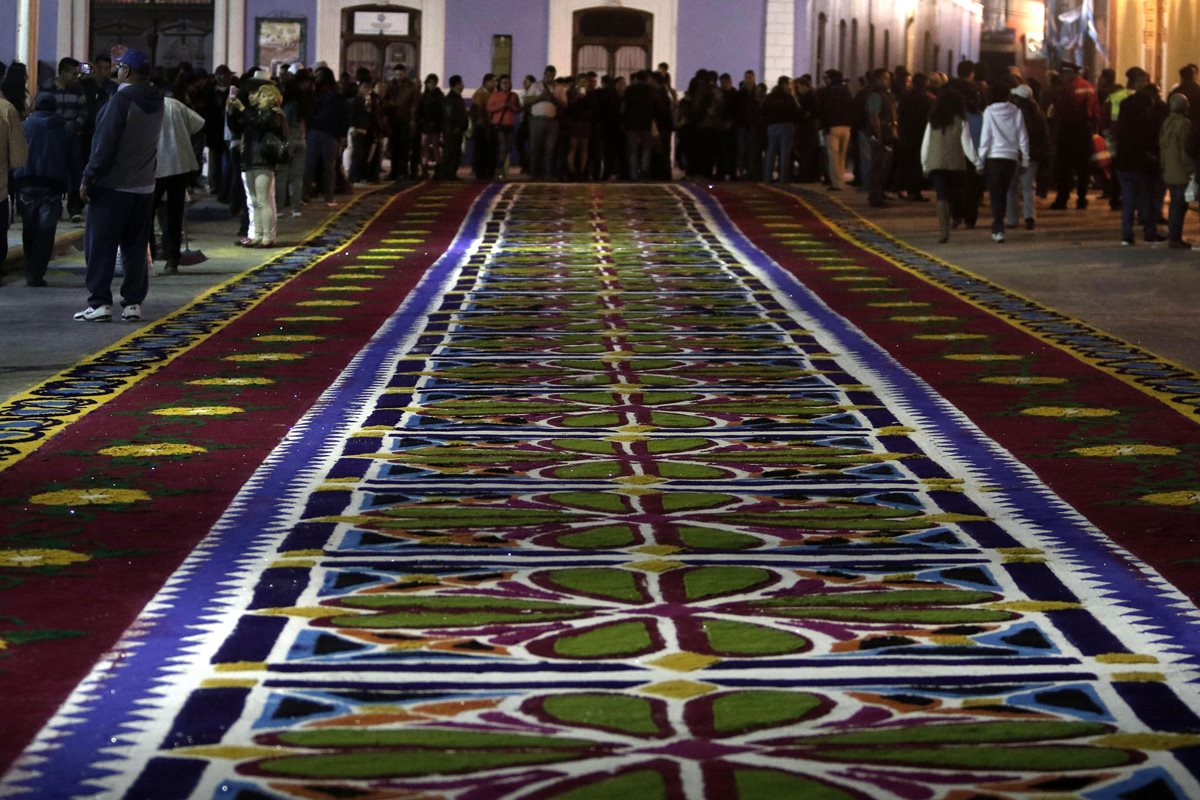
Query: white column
[236, 36]
[779, 49]
[27, 40]
[83, 40]
[220, 33]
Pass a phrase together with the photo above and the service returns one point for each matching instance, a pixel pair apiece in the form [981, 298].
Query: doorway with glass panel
[377, 38]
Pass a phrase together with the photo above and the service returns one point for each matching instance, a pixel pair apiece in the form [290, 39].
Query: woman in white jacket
[945, 151]
[1003, 146]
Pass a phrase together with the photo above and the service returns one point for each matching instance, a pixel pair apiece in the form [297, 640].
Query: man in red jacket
[1076, 109]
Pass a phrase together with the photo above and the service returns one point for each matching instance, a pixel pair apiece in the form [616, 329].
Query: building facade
[472, 37]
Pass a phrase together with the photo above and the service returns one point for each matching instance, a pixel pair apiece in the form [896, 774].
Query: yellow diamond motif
[637, 492]
[679, 690]
[684, 662]
[637, 480]
[656, 565]
[657, 549]
[1139, 677]
[627, 438]
[636, 428]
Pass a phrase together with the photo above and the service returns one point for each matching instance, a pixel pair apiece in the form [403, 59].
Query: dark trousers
[41, 207]
[881, 168]
[399, 145]
[1000, 172]
[483, 152]
[966, 205]
[321, 162]
[173, 189]
[451, 155]
[1135, 197]
[1072, 162]
[117, 220]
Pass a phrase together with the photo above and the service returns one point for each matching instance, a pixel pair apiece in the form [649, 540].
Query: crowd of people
[269, 143]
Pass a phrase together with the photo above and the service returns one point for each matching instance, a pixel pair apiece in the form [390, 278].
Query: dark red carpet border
[1126, 460]
[100, 534]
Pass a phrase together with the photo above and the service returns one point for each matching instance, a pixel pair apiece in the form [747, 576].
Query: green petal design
[595, 538]
[713, 539]
[730, 638]
[705, 582]
[616, 640]
[613, 584]
[769, 784]
[409, 611]
[591, 421]
[596, 470]
[1037, 759]
[666, 420]
[691, 472]
[740, 712]
[644, 784]
[593, 501]
[609, 712]
[589, 446]
[694, 501]
[388, 764]
[964, 732]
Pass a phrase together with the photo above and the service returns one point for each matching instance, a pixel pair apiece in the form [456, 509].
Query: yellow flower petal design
[259, 357]
[1118, 450]
[198, 411]
[89, 497]
[232, 382]
[983, 357]
[923, 318]
[1184, 498]
[327, 303]
[1069, 412]
[24, 558]
[949, 337]
[289, 337]
[152, 450]
[1023, 380]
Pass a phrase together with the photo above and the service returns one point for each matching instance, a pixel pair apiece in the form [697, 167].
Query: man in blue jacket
[118, 181]
[52, 168]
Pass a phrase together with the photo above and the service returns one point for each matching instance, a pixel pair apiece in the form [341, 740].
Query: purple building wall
[294, 9]
[470, 26]
[8, 22]
[48, 41]
[711, 37]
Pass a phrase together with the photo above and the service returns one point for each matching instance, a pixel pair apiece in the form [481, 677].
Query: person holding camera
[264, 132]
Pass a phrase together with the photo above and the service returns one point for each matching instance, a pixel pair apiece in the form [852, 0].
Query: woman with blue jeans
[1003, 146]
[780, 111]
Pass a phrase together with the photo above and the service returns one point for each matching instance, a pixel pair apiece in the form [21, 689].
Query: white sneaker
[97, 314]
[997, 237]
[131, 313]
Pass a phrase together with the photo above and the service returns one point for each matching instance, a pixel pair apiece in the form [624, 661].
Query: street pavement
[1073, 262]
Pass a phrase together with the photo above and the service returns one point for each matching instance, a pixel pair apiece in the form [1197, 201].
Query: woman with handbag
[264, 131]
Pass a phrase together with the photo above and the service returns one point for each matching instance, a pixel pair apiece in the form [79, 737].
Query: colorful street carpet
[579, 492]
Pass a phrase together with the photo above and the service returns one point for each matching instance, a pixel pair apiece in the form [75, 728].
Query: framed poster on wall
[278, 41]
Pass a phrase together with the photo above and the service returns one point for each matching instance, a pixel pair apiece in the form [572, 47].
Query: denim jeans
[779, 145]
[1021, 189]
[543, 139]
[41, 207]
[1135, 195]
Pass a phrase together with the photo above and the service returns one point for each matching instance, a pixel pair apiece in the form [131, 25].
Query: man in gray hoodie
[118, 181]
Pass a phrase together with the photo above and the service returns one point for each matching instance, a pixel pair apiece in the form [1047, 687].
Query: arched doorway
[169, 31]
[379, 37]
[611, 41]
